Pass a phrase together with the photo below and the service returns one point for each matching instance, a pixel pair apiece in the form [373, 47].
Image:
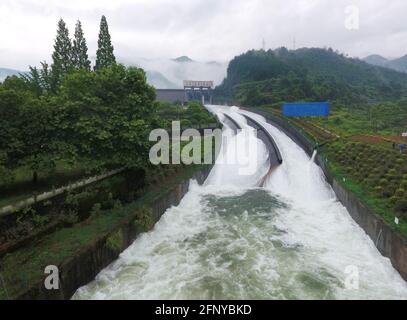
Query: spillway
[229, 239]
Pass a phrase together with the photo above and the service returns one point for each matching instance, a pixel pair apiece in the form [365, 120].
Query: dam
[233, 239]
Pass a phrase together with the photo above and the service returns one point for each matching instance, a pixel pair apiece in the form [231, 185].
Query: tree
[40, 151]
[80, 49]
[18, 84]
[33, 78]
[45, 77]
[104, 55]
[38, 81]
[109, 112]
[62, 56]
[11, 138]
[27, 137]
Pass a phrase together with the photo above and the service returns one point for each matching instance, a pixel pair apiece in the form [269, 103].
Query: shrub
[39, 220]
[401, 206]
[349, 169]
[400, 161]
[376, 171]
[71, 217]
[399, 192]
[393, 200]
[96, 210]
[369, 181]
[388, 192]
[378, 190]
[115, 241]
[144, 219]
[108, 203]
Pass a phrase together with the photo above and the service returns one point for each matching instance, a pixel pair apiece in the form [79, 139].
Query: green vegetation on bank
[377, 175]
[70, 114]
[22, 187]
[374, 171]
[192, 114]
[93, 114]
[66, 117]
[384, 119]
[25, 268]
[67, 121]
[359, 139]
[266, 77]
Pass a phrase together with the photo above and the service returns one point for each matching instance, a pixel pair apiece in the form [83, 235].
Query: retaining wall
[389, 242]
[83, 267]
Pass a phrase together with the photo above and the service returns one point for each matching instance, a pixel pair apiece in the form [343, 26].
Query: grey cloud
[202, 29]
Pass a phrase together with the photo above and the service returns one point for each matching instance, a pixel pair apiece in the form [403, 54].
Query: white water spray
[314, 154]
[229, 240]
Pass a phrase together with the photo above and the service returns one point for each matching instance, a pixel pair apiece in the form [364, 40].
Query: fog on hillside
[169, 74]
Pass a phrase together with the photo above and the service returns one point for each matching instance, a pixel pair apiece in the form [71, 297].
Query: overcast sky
[203, 29]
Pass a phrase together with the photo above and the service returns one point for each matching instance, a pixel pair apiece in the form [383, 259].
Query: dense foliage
[191, 115]
[98, 119]
[62, 56]
[68, 56]
[80, 49]
[382, 172]
[67, 113]
[384, 118]
[104, 54]
[264, 77]
[69, 116]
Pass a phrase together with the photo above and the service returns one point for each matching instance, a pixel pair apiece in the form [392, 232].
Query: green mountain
[273, 76]
[399, 64]
[376, 60]
[183, 59]
[159, 81]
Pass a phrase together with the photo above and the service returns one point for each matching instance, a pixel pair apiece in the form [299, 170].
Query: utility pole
[264, 45]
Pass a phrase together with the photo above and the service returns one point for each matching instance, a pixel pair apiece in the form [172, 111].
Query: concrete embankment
[81, 267]
[232, 123]
[264, 135]
[389, 242]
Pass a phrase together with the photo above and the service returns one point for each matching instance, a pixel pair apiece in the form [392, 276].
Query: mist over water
[229, 239]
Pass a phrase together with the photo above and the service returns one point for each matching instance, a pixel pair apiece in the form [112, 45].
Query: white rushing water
[229, 239]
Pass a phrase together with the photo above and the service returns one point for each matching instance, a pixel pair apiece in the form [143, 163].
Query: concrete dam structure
[193, 90]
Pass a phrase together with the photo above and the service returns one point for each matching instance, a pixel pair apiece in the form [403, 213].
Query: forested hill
[262, 77]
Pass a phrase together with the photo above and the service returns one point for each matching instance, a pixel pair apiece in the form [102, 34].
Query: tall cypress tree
[104, 54]
[62, 56]
[80, 49]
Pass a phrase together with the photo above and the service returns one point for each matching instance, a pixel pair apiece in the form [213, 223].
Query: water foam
[230, 240]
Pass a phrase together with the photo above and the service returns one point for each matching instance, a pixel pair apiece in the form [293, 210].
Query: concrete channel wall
[84, 265]
[389, 242]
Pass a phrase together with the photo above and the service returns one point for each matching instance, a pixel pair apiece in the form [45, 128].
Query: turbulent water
[229, 239]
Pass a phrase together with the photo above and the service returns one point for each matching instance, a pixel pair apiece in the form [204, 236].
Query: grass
[25, 267]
